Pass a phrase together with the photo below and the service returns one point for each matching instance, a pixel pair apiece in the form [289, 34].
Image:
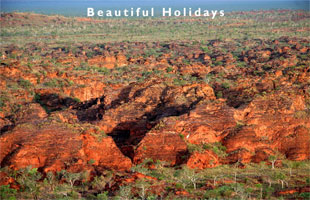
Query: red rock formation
[50, 145]
[272, 125]
[108, 61]
[207, 159]
[104, 153]
[163, 146]
[262, 112]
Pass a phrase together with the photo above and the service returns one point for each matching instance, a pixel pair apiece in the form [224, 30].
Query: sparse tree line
[256, 181]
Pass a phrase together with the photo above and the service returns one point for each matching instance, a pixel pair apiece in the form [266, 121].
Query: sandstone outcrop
[49, 144]
[93, 104]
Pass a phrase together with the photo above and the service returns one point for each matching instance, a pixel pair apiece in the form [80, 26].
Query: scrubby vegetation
[155, 180]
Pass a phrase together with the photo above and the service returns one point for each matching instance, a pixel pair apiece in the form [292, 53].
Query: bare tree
[190, 175]
[274, 158]
[143, 185]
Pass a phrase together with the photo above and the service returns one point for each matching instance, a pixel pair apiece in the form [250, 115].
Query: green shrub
[91, 161]
[25, 83]
[186, 61]
[103, 196]
[217, 63]
[28, 179]
[302, 114]
[52, 83]
[308, 181]
[192, 148]
[104, 70]
[76, 99]
[169, 69]
[151, 52]
[241, 64]
[205, 49]
[223, 191]
[146, 74]
[219, 149]
[124, 193]
[90, 54]
[99, 135]
[226, 85]
[305, 195]
[58, 83]
[71, 178]
[3, 100]
[179, 82]
[7, 193]
[219, 94]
